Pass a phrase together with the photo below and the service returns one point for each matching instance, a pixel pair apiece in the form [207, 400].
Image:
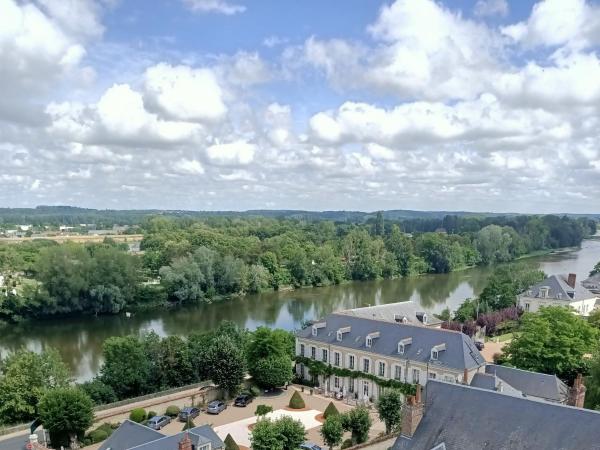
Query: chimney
[186, 443]
[466, 377]
[412, 413]
[577, 393]
[571, 280]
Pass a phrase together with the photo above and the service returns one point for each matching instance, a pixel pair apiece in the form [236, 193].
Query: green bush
[254, 391]
[98, 436]
[296, 402]
[172, 411]
[230, 444]
[347, 444]
[188, 425]
[263, 410]
[138, 415]
[151, 414]
[331, 410]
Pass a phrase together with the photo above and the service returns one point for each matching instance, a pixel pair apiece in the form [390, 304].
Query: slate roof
[558, 290]
[468, 418]
[460, 352]
[131, 435]
[592, 283]
[389, 311]
[532, 384]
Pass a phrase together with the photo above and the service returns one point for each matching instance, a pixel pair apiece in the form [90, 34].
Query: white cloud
[491, 8]
[185, 93]
[188, 167]
[214, 6]
[233, 153]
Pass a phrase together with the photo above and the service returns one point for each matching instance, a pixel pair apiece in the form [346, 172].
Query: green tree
[493, 243]
[175, 362]
[269, 358]
[358, 422]
[126, 368]
[594, 318]
[292, 432]
[596, 269]
[506, 283]
[262, 410]
[66, 413]
[99, 392]
[552, 341]
[282, 434]
[592, 383]
[332, 431]
[25, 377]
[389, 407]
[226, 364]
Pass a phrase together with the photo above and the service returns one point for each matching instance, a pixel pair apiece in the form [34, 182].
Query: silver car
[157, 422]
[215, 407]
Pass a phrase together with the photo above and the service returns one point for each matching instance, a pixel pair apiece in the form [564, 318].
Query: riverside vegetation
[186, 261]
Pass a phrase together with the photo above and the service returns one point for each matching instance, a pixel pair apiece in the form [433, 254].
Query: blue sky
[485, 105]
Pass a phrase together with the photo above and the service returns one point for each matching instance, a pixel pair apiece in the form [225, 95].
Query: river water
[79, 340]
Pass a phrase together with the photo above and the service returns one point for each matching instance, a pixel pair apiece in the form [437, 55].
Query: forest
[190, 260]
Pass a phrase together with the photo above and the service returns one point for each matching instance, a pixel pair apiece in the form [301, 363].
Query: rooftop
[460, 352]
[467, 418]
[558, 289]
[396, 312]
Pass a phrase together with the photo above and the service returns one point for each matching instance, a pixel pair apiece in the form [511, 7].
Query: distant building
[450, 416]
[132, 435]
[558, 290]
[400, 312]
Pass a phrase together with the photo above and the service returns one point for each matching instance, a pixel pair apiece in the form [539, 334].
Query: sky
[478, 105]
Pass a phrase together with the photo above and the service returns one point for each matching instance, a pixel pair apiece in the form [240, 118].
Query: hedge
[296, 402]
[319, 368]
[138, 415]
[331, 410]
[230, 444]
[172, 411]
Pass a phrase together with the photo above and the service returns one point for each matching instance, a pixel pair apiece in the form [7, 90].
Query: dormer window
[369, 342]
[315, 331]
[544, 292]
[316, 326]
[435, 351]
[370, 337]
[340, 333]
[402, 345]
[424, 319]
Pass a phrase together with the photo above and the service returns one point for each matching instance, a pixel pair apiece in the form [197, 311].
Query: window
[314, 331]
[366, 365]
[434, 354]
[366, 388]
[351, 362]
[313, 353]
[336, 382]
[301, 349]
[381, 369]
[432, 375]
[351, 386]
[397, 372]
[527, 307]
[369, 341]
[416, 375]
[448, 379]
[324, 355]
[336, 358]
[401, 348]
[339, 336]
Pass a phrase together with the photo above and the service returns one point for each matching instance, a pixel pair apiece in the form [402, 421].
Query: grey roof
[391, 311]
[531, 384]
[460, 352]
[558, 289]
[467, 418]
[592, 283]
[131, 435]
[493, 383]
[128, 435]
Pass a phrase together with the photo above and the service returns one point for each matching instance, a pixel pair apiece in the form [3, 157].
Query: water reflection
[80, 340]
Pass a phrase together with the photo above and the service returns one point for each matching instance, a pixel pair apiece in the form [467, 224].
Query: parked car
[480, 345]
[187, 413]
[243, 400]
[215, 407]
[310, 446]
[157, 422]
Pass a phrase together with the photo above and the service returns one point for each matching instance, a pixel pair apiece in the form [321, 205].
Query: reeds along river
[79, 340]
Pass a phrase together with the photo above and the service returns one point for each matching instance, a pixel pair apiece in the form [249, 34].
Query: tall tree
[226, 364]
[332, 431]
[126, 368]
[358, 422]
[389, 407]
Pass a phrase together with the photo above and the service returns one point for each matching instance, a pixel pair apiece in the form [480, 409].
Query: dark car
[187, 413]
[480, 345]
[243, 400]
[215, 407]
[310, 446]
[157, 422]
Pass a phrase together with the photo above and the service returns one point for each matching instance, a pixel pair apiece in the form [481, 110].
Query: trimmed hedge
[98, 436]
[151, 414]
[296, 402]
[331, 410]
[172, 411]
[137, 415]
[230, 444]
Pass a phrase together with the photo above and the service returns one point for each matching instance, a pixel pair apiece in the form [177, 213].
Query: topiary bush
[151, 414]
[172, 411]
[296, 402]
[230, 444]
[138, 415]
[347, 444]
[98, 436]
[331, 410]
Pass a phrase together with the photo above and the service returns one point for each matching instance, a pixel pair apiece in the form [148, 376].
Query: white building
[558, 290]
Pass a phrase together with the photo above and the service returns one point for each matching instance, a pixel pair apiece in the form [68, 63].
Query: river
[79, 340]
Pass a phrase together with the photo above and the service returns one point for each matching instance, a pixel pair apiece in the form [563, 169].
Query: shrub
[254, 391]
[99, 392]
[188, 424]
[263, 410]
[172, 411]
[230, 444]
[331, 410]
[296, 402]
[347, 444]
[151, 414]
[98, 436]
[138, 415]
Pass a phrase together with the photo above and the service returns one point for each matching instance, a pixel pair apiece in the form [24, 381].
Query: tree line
[188, 260]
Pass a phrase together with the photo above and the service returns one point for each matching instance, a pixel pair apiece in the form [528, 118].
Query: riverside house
[384, 350]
